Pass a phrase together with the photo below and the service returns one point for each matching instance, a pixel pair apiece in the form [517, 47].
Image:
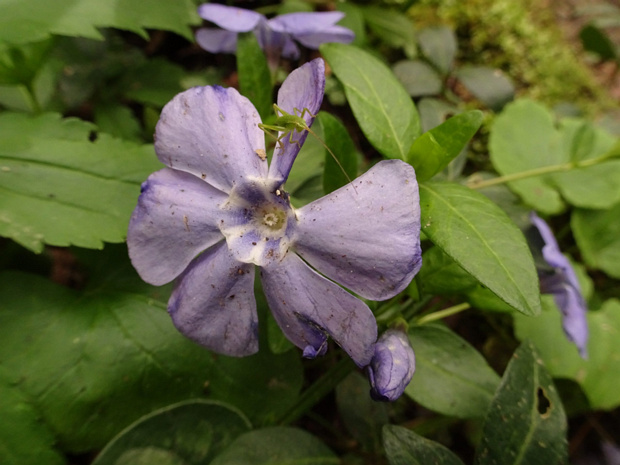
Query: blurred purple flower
[275, 35]
[392, 366]
[559, 279]
[218, 210]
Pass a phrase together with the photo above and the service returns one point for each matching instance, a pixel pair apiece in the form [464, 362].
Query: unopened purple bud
[392, 366]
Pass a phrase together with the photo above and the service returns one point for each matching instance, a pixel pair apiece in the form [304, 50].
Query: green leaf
[93, 363]
[597, 233]
[440, 275]
[263, 386]
[435, 149]
[599, 375]
[33, 20]
[526, 423]
[118, 121]
[278, 445]
[490, 86]
[384, 111]
[191, 432]
[337, 138]
[483, 241]
[362, 416]
[438, 44]
[59, 188]
[404, 447]
[254, 74]
[392, 27]
[24, 440]
[153, 82]
[418, 78]
[451, 376]
[354, 20]
[595, 40]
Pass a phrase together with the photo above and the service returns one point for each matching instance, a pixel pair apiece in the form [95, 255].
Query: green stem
[543, 170]
[443, 313]
[323, 386]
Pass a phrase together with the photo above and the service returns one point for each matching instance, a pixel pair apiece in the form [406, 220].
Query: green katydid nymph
[289, 124]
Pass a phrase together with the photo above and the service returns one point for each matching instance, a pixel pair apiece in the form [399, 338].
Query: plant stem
[443, 313]
[321, 387]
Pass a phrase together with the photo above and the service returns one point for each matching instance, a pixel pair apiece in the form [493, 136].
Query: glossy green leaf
[404, 447]
[451, 376]
[482, 240]
[93, 363]
[342, 171]
[384, 111]
[24, 440]
[392, 27]
[418, 78]
[594, 39]
[33, 20]
[440, 275]
[597, 233]
[526, 424]
[277, 446]
[362, 416]
[191, 432]
[435, 149]
[490, 86]
[599, 375]
[59, 188]
[254, 74]
[439, 45]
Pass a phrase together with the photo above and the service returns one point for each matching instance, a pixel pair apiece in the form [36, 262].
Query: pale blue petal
[302, 90]
[333, 34]
[229, 17]
[304, 23]
[213, 303]
[366, 235]
[176, 218]
[217, 40]
[309, 307]
[212, 133]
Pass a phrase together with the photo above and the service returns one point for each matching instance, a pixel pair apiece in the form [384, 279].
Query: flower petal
[213, 303]
[217, 40]
[308, 307]
[333, 34]
[175, 219]
[304, 23]
[302, 89]
[229, 17]
[367, 239]
[212, 133]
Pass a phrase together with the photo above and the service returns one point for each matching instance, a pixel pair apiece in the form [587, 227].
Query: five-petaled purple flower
[218, 210]
[560, 280]
[392, 366]
[275, 36]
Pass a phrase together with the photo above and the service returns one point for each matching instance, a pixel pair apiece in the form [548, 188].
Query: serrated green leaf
[526, 424]
[191, 432]
[342, 171]
[418, 78]
[254, 74]
[404, 447]
[490, 86]
[435, 149]
[599, 375]
[451, 376]
[481, 238]
[93, 363]
[384, 111]
[597, 233]
[278, 445]
[33, 20]
[59, 188]
[439, 45]
[24, 440]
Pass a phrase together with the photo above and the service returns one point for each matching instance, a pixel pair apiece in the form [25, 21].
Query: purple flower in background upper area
[276, 36]
[561, 281]
[218, 210]
[392, 366]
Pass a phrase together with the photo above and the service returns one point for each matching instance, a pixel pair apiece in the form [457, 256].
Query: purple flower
[275, 36]
[392, 366]
[218, 210]
[559, 279]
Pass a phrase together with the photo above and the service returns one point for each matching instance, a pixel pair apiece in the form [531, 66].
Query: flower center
[272, 217]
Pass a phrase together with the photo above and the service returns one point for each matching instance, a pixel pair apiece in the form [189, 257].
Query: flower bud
[392, 366]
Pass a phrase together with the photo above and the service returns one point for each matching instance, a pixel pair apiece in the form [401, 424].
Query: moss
[522, 39]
